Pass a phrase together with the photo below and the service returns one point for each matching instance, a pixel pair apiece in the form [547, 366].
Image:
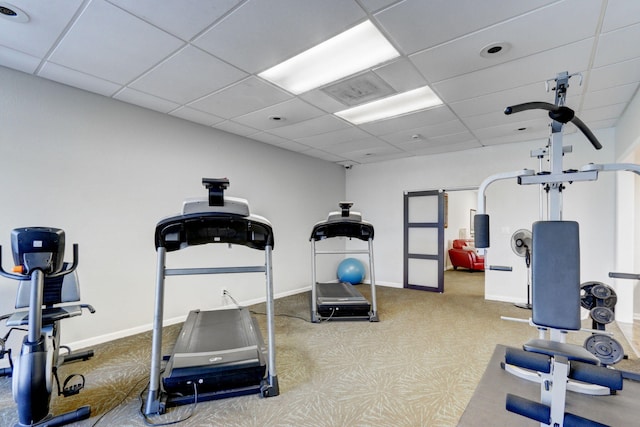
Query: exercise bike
[45, 280]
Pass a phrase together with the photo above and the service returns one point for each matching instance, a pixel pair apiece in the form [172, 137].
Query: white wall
[628, 212]
[378, 191]
[106, 172]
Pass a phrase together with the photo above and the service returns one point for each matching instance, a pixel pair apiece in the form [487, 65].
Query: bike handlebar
[559, 113]
[16, 276]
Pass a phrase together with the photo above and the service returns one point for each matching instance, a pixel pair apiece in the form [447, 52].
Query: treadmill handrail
[181, 231]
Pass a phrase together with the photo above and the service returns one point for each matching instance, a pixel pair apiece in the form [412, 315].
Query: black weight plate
[601, 291]
[605, 348]
[611, 301]
[587, 300]
[602, 315]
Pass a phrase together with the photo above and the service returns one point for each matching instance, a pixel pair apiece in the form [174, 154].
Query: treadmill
[218, 353]
[340, 300]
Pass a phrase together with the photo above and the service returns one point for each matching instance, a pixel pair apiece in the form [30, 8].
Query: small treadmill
[218, 353]
[339, 300]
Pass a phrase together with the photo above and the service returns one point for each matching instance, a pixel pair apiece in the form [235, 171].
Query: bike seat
[49, 315]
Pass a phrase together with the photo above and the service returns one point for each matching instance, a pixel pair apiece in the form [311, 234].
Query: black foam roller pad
[571, 420]
[599, 375]
[528, 408]
[481, 230]
[528, 360]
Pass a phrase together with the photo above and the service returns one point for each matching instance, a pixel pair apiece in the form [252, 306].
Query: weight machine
[556, 281]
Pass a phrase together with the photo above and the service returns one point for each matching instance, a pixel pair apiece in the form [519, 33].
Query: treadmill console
[344, 223]
[218, 219]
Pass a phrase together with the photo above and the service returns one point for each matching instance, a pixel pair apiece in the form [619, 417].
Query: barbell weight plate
[602, 315]
[587, 300]
[601, 291]
[605, 348]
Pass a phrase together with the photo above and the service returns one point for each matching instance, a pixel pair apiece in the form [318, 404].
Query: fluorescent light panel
[354, 50]
[396, 105]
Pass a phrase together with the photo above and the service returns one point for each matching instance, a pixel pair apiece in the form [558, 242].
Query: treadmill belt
[341, 300]
[218, 350]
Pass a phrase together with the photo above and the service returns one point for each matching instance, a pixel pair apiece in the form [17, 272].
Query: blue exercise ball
[351, 270]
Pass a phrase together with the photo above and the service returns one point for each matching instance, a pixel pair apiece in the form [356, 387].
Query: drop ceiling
[199, 60]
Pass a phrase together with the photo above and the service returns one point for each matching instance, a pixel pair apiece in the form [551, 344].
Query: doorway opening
[433, 219]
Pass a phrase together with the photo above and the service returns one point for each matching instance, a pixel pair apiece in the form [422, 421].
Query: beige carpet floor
[418, 366]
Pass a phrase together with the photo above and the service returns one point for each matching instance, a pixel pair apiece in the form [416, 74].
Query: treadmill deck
[341, 300]
[217, 350]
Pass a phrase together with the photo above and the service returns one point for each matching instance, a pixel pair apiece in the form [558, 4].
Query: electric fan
[521, 246]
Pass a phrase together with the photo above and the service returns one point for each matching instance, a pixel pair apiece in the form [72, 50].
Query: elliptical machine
[45, 280]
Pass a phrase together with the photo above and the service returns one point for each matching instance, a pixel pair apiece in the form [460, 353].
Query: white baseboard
[101, 339]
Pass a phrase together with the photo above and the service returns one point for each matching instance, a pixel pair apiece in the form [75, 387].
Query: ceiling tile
[379, 157]
[498, 118]
[80, 80]
[355, 146]
[289, 112]
[374, 5]
[620, 13]
[320, 99]
[417, 24]
[497, 101]
[198, 60]
[573, 58]
[184, 19]
[448, 148]
[373, 151]
[424, 133]
[145, 100]
[614, 75]
[602, 113]
[235, 128]
[248, 95]
[109, 43]
[188, 75]
[572, 20]
[18, 61]
[279, 142]
[427, 117]
[323, 155]
[315, 126]
[444, 140]
[613, 95]
[607, 52]
[332, 138]
[401, 75]
[300, 25]
[47, 21]
[531, 129]
[196, 116]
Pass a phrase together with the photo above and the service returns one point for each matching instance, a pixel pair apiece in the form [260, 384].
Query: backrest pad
[56, 290]
[555, 274]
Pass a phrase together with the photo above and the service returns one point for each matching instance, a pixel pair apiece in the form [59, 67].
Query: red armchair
[463, 254]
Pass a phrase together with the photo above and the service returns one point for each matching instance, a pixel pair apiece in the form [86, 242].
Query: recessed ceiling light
[352, 51]
[495, 49]
[396, 105]
[12, 13]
